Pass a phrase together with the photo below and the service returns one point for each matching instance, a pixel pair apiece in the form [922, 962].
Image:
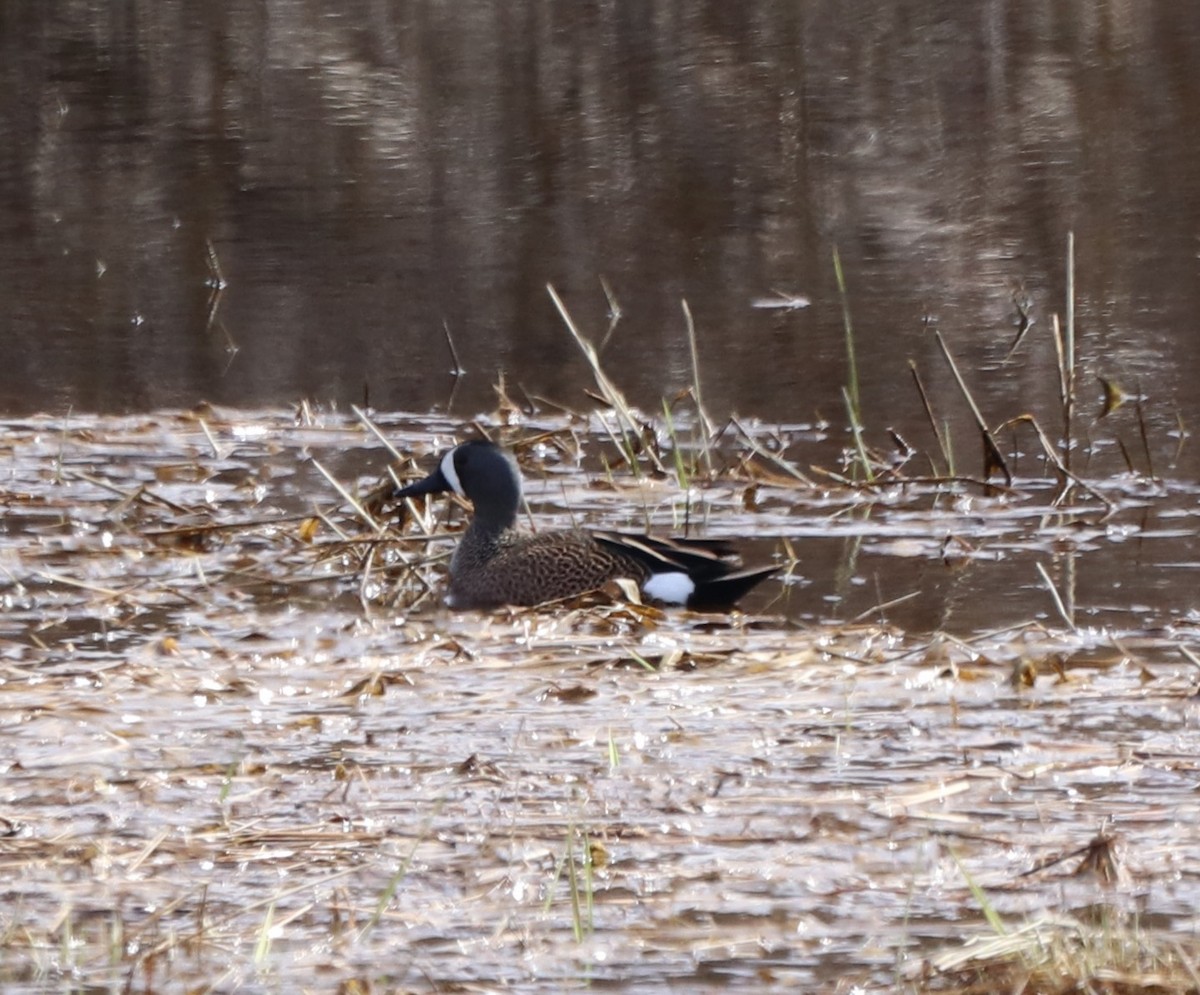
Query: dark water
[377, 180]
[368, 173]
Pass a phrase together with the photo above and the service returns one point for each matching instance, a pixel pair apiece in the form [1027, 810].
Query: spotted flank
[495, 564]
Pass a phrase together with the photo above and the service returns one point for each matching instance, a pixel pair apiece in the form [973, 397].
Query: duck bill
[435, 483]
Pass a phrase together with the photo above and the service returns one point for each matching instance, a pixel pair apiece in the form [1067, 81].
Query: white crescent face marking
[673, 588]
[450, 473]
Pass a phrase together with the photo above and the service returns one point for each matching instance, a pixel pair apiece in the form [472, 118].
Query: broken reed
[1058, 454]
[635, 438]
[632, 436]
[628, 435]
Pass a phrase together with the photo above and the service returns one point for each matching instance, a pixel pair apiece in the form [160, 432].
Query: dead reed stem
[993, 456]
[611, 394]
[927, 405]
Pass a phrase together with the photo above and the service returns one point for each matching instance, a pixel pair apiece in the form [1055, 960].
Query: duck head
[481, 472]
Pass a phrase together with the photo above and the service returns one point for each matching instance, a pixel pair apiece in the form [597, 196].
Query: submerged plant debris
[246, 747]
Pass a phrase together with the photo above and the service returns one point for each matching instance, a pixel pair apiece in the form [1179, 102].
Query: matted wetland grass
[246, 747]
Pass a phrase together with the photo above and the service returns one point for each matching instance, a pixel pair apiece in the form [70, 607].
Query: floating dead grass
[247, 748]
[1107, 952]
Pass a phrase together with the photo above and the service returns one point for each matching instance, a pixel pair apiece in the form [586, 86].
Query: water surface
[241, 729]
[241, 754]
[370, 176]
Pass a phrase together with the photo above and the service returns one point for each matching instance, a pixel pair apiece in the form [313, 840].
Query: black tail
[711, 564]
[724, 592]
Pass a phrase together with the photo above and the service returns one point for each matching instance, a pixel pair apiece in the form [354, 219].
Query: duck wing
[712, 565]
[700, 559]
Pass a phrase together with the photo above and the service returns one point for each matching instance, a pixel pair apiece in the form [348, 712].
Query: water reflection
[370, 174]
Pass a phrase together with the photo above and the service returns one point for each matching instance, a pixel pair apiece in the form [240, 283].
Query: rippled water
[366, 177]
[238, 758]
[246, 748]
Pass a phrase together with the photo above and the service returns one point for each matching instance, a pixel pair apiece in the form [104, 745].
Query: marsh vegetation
[247, 746]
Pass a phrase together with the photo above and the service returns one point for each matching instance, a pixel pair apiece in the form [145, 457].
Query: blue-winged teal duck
[495, 564]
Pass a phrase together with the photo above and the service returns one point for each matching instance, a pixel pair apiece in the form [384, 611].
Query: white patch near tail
[674, 588]
[450, 473]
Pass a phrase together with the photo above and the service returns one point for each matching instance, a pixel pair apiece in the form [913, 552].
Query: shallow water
[240, 754]
[227, 752]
